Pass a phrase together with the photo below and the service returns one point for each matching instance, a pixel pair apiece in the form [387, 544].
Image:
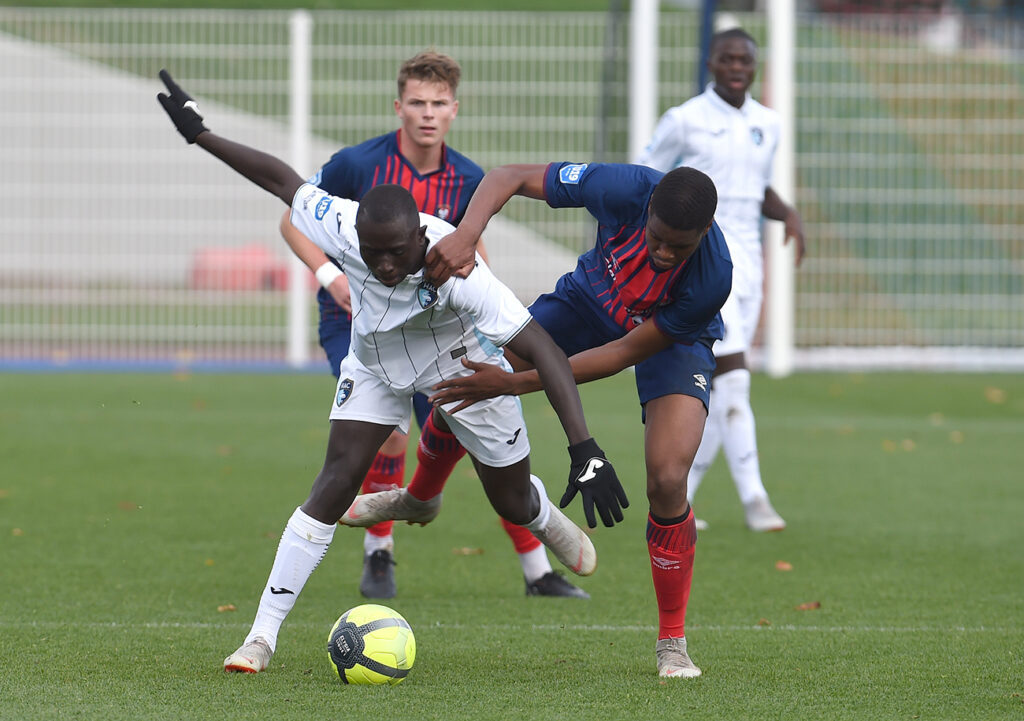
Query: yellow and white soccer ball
[371, 644]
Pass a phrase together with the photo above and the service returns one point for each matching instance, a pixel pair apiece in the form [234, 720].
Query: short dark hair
[730, 34]
[388, 203]
[430, 66]
[685, 199]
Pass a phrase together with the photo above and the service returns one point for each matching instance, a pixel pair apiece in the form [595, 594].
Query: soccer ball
[371, 644]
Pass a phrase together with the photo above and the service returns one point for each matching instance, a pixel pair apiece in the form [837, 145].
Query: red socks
[670, 544]
[386, 471]
[437, 453]
[522, 539]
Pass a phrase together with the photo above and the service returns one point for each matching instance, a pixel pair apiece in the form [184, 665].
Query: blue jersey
[444, 193]
[616, 278]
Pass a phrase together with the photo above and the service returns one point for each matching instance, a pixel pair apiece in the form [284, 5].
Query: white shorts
[493, 431]
[740, 315]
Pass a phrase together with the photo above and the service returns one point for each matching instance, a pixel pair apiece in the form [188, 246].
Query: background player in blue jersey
[649, 294]
[441, 181]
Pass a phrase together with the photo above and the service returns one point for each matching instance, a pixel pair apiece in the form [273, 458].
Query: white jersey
[411, 335]
[735, 147]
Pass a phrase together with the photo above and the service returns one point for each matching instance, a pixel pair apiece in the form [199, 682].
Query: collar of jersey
[718, 102]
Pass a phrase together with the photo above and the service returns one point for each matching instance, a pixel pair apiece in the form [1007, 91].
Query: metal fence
[120, 244]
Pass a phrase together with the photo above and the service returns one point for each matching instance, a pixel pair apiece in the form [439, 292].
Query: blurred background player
[647, 294]
[441, 181]
[732, 138]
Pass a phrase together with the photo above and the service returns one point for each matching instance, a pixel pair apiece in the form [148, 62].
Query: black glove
[593, 476]
[182, 108]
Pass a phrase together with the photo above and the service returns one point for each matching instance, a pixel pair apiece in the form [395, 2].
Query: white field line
[854, 423]
[696, 628]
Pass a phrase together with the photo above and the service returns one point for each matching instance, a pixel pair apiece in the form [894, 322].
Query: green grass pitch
[135, 508]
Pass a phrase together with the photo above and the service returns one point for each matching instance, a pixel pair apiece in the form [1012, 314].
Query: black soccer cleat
[554, 584]
[378, 579]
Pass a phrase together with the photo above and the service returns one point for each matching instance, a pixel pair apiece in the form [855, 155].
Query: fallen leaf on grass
[763, 622]
[809, 606]
[995, 395]
[128, 506]
[4, 493]
[466, 551]
[226, 607]
[783, 566]
[17, 532]
[209, 562]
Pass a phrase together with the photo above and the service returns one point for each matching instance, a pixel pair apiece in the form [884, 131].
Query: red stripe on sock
[522, 539]
[671, 549]
[385, 473]
[436, 454]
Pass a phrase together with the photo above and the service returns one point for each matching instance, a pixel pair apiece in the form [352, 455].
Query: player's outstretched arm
[268, 172]
[590, 473]
[489, 381]
[454, 254]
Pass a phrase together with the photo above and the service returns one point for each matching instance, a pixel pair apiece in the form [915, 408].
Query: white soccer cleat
[762, 517]
[397, 504]
[251, 657]
[569, 543]
[673, 661]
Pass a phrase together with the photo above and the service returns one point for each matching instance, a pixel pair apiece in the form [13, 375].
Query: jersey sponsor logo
[344, 391]
[426, 294]
[757, 135]
[515, 437]
[570, 174]
[665, 564]
[323, 206]
[590, 472]
[279, 591]
[700, 381]
[459, 352]
[443, 211]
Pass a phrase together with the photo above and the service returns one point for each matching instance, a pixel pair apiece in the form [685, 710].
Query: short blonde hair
[431, 67]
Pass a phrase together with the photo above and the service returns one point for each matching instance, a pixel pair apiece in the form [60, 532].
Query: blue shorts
[336, 338]
[679, 369]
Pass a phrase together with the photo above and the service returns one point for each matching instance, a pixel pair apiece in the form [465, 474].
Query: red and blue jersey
[616, 277]
[444, 192]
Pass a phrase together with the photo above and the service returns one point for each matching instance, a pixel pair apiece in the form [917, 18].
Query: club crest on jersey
[323, 206]
[344, 391]
[757, 135]
[570, 174]
[443, 211]
[426, 294]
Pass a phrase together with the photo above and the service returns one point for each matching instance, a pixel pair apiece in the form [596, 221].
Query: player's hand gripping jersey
[616, 278]
[411, 335]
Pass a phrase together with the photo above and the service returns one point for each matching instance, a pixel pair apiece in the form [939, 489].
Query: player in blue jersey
[441, 181]
[648, 294]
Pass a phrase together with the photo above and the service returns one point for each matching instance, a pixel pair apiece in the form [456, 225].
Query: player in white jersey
[732, 137]
[407, 336]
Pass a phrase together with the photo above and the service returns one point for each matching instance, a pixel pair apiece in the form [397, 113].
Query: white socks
[303, 544]
[541, 521]
[730, 425]
[373, 543]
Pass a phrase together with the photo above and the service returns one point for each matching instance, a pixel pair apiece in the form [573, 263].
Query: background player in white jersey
[732, 138]
[407, 336]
